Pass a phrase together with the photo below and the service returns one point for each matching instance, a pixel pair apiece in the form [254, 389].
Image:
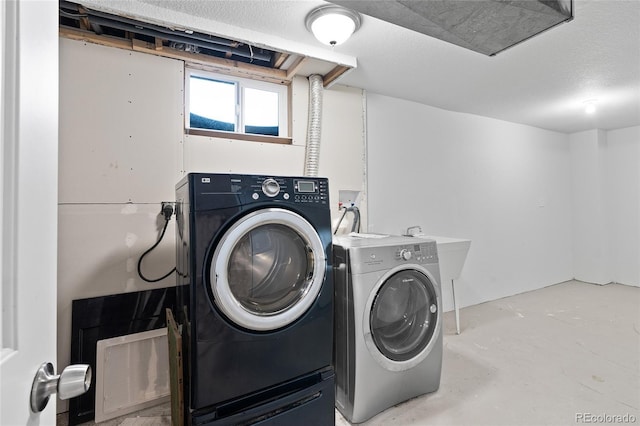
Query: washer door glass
[267, 269]
[404, 315]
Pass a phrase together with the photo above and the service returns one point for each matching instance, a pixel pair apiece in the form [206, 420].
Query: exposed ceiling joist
[197, 49]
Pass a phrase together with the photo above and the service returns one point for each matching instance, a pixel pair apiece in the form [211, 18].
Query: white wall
[623, 172]
[120, 156]
[339, 155]
[122, 149]
[590, 227]
[606, 201]
[505, 186]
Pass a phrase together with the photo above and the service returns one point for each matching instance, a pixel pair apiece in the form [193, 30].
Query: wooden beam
[295, 67]
[84, 21]
[75, 34]
[204, 62]
[216, 64]
[280, 58]
[331, 77]
[196, 60]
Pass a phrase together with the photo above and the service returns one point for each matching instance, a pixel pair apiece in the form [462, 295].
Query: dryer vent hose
[312, 152]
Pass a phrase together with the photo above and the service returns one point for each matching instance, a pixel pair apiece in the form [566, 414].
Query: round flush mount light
[332, 24]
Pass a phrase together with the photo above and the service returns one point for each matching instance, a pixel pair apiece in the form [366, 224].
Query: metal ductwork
[484, 26]
[187, 40]
[312, 151]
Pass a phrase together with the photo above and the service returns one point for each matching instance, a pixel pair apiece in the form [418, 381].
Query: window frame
[283, 91]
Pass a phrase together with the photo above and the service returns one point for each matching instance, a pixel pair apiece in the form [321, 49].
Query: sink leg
[455, 306]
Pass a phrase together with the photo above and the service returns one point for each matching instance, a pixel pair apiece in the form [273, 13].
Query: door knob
[74, 380]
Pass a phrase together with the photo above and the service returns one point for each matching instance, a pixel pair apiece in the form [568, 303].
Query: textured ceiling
[486, 26]
[542, 82]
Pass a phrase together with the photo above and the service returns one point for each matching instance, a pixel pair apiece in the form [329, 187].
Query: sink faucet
[413, 230]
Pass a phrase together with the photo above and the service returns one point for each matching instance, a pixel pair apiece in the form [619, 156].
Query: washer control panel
[416, 253]
[405, 254]
[369, 258]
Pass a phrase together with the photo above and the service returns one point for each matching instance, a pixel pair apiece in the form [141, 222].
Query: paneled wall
[122, 149]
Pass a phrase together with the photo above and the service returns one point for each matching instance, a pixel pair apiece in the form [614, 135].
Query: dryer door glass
[267, 269]
[270, 269]
[404, 315]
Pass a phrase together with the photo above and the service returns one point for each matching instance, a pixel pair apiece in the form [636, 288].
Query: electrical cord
[167, 211]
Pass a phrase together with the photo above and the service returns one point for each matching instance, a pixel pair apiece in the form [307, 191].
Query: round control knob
[270, 187]
[405, 254]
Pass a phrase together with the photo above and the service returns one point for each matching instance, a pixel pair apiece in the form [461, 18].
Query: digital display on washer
[306, 186]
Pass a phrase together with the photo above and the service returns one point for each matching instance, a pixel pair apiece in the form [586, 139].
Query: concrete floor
[565, 354]
[540, 358]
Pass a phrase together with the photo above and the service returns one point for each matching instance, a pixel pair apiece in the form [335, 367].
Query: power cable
[167, 211]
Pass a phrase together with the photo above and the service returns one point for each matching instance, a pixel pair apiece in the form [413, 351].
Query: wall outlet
[349, 198]
[170, 206]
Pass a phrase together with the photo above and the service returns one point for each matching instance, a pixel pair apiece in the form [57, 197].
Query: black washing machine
[255, 299]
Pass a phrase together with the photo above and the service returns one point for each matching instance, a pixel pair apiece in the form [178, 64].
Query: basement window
[241, 108]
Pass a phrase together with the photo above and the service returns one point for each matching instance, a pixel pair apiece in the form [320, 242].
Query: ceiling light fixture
[590, 106]
[332, 24]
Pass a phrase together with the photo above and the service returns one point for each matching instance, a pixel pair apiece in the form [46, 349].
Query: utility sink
[452, 253]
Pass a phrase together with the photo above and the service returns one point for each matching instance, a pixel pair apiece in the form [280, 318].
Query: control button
[255, 196]
[405, 254]
[285, 196]
[270, 187]
[433, 309]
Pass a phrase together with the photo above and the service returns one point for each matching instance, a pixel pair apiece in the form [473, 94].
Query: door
[29, 129]
[402, 319]
[267, 269]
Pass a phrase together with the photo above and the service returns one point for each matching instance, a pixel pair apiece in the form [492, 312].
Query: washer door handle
[73, 381]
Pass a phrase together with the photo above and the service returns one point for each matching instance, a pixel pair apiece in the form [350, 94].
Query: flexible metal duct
[312, 152]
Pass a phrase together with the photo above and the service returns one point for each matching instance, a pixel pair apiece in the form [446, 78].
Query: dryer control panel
[310, 191]
[293, 189]
[218, 190]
